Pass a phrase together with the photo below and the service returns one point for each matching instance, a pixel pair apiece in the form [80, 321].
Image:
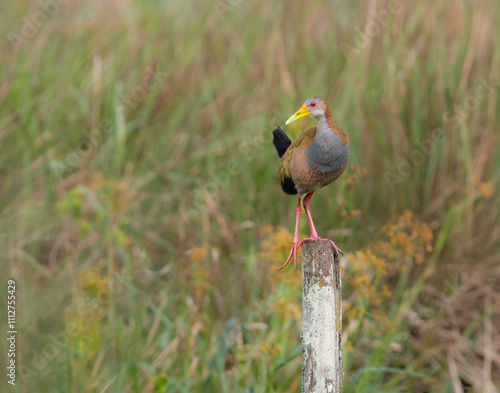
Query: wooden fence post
[322, 318]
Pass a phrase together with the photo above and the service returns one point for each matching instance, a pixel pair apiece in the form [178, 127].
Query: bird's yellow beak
[302, 112]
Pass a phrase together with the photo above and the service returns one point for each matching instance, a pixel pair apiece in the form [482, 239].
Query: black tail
[288, 186]
[281, 141]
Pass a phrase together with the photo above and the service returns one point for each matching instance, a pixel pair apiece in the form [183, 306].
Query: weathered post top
[322, 318]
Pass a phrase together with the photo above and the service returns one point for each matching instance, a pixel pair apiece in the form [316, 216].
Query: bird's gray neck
[326, 152]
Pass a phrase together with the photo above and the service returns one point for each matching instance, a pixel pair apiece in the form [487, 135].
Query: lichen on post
[322, 318]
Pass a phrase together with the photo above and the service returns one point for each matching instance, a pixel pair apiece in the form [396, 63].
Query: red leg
[296, 244]
[314, 234]
[307, 199]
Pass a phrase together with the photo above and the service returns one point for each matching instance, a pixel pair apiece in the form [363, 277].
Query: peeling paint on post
[322, 319]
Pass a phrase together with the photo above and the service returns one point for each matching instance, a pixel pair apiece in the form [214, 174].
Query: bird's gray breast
[326, 152]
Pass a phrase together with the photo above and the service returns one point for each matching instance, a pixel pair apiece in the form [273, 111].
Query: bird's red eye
[313, 104]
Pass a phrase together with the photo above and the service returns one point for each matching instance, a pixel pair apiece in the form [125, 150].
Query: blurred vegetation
[142, 220]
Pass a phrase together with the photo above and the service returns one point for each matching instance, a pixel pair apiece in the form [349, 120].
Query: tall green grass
[139, 189]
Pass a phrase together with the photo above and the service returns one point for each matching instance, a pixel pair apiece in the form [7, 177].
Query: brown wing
[304, 139]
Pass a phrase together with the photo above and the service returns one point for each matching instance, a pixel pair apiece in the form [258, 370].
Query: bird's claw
[295, 246]
[339, 251]
[293, 251]
[328, 240]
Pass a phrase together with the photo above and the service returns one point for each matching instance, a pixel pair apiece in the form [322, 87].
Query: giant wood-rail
[316, 158]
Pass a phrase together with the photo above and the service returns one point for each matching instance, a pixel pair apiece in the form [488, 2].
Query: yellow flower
[198, 253]
[487, 190]
[93, 285]
[386, 292]
[83, 327]
[355, 213]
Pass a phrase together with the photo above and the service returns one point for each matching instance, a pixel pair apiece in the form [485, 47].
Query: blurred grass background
[140, 212]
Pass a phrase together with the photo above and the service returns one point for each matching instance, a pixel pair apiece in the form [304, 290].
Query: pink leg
[314, 234]
[296, 244]
[307, 199]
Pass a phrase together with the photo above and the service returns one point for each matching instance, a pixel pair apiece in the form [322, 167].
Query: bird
[316, 158]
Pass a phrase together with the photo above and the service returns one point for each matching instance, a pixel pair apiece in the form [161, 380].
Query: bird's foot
[317, 238]
[339, 251]
[293, 251]
[295, 246]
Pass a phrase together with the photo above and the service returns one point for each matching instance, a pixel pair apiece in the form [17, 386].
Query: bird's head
[315, 107]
